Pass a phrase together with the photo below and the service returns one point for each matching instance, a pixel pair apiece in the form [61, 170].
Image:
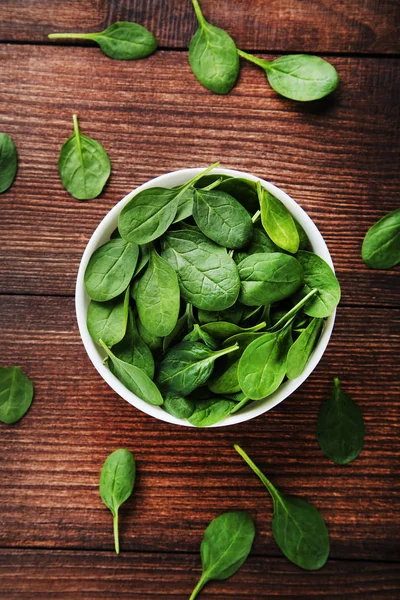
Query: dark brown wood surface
[338, 159]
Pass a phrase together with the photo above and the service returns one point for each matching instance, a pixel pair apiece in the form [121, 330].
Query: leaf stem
[293, 311]
[199, 176]
[82, 36]
[226, 350]
[212, 185]
[116, 534]
[271, 488]
[198, 588]
[199, 14]
[240, 405]
[264, 64]
[256, 216]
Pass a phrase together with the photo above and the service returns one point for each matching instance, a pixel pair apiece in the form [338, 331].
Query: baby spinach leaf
[244, 190]
[108, 320]
[213, 56]
[260, 242]
[211, 411]
[318, 274]
[268, 278]
[303, 237]
[298, 76]
[179, 407]
[226, 545]
[221, 218]
[16, 394]
[8, 162]
[185, 205]
[149, 214]
[110, 269]
[133, 378]
[133, 350]
[154, 342]
[278, 222]
[340, 427]
[157, 296]
[381, 245]
[233, 314]
[144, 256]
[300, 352]
[83, 165]
[122, 40]
[198, 335]
[207, 275]
[178, 332]
[221, 330]
[298, 527]
[262, 366]
[187, 366]
[117, 479]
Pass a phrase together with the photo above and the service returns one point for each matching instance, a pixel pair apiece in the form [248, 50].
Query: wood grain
[51, 459]
[356, 26]
[337, 158]
[62, 575]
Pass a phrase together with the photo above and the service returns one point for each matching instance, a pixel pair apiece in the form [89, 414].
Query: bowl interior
[102, 235]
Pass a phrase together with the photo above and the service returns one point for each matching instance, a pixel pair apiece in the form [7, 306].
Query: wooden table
[337, 158]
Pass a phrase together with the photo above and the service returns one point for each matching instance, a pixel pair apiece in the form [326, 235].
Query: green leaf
[179, 407]
[222, 218]
[340, 427]
[318, 274]
[268, 278]
[16, 394]
[117, 479]
[149, 214]
[232, 314]
[157, 296]
[213, 56]
[186, 367]
[122, 40]
[211, 411]
[221, 330]
[300, 77]
[260, 243]
[278, 222]
[8, 162]
[381, 245]
[207, 275]
[298, 527]
[108, 320]
[199, 335]
[110, 269]
[300, 352]
[154, 342]
[226, 545]
[83, 165]
[133, 350]
[134, 379]
[262, 366]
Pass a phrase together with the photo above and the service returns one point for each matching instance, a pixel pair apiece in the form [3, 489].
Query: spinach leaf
[213, 56]
[304, 242]
[211, 411]
[154, 342]
[298, 527]
[149, 214]
[179, 407]
[318, 274]
[108, 320]
[187, 366]
[16, 394]
[262, 366]
[133, 350]
[178, 332]
[381, 245]
[83, 165]
[144, 257]
[221, 330]
[122, 40]
[340, 427]
[233, 314]
[157, 296]
[133, 378]
[226, 545]
[221, 218]
[207, 275]
[199, 335]
[298, 76]
[244, 190]
[117, 479]
[300, 352]
[260, 243]
[110, 269]
[8, 162]
[277, 221]
[268, 278]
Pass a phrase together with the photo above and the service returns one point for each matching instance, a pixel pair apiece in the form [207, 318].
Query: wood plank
[361, 26]
[338, 159]
[51, 459]
[99, 575]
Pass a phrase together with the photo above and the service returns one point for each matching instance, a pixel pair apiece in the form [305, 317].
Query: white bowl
[102, 235]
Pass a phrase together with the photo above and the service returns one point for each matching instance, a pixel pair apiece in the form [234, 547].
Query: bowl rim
[102, 234]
